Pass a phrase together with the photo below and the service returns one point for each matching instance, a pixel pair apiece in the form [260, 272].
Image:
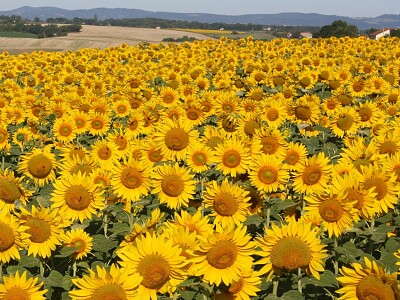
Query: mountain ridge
[282, 19]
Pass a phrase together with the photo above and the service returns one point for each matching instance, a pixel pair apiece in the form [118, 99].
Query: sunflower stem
[336, 260]
[3, 162]
[275, 283]
[267, 221]
[299, 286]
[105, 221]
[74, 268]
[41, 267]
[1, 270]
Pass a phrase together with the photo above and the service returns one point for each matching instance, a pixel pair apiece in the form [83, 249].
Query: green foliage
[338, 28]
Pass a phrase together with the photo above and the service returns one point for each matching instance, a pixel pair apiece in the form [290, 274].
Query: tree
[338, 28]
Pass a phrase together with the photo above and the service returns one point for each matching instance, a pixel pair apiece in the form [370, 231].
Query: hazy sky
[351, 8]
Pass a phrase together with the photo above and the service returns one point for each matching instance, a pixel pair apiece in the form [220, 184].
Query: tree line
[18, 24]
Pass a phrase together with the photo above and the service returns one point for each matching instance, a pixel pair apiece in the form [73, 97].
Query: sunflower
[336, 212]
[290, 247]
[174, 185]
[195, 223]
[159, 263]
[121, 108]
[388, 144]
[38, 165]
[247, 286]
[12, 237]
[168, 96]
[248, 124]
[77, 197]
[346, 121]
[99, 124]
[130, 180]
[274, 113]
[194, 114]
[174, 137]
[64, 130]
[313, 175]
[115, 283]
[123, 139]
[19, 287]
[384, 184]
[4, 138]
[105, 154]
[229, 203]
[212, 137]
[79, 239]
[44, 227]
[151, 154]
[357, 87]
[304, 112]
[368, 112]
[268, 173]
[11, 189]
[364, 200]
[199, 157]
[22, 136]
[367, 281]
[232, 157]
[296, 154]
[359, 153]
[141, 228]
[224, 256]
[135, 124]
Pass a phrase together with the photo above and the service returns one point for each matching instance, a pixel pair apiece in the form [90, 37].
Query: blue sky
[351, 8]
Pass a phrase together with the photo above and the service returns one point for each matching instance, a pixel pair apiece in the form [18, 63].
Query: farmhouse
[376, 35]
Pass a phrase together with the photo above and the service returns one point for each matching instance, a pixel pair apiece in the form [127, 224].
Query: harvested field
[94, 37]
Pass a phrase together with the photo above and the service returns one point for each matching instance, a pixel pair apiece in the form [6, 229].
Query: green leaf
[66, 282]
[66, 251]
[191, 281]
[188, 295]
[103, 244]
[54, 279]
[389, 260]
[292, 295]
[28, 261]
[271, 297]
[349, 249]
[11, 270]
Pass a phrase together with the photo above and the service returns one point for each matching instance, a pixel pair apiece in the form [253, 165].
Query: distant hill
[289, 19]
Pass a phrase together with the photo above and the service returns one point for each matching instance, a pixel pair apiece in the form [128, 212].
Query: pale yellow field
[208, 31]
[94, 37]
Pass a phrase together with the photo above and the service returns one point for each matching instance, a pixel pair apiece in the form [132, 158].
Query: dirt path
[93, 37]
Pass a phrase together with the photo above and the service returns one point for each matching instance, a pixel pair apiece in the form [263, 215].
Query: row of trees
[17, 24]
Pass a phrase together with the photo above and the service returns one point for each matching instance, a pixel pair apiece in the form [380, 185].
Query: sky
[349, 8]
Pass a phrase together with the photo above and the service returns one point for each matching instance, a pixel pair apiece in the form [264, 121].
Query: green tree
[338, 28]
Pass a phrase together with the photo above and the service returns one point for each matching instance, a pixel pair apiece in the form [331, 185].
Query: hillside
[290, 18]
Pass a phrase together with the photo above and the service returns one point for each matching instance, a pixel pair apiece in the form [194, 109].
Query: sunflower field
[218, 169]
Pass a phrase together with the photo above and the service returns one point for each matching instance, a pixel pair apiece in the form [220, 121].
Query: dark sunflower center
[231, 158]
[131, 178]
[268, 175]
[176, 139]
[77, 198]
[155, 271]
[290, 253]
[222, 255]
[236, 286]
[365, 114]
[40, 166]
[278, 80]
[9, 191]
[213, 142]
[79, 244]
[272, 114]
[154, 155]
[388, 147]
[345, 122]
[97, 124]
[104, 152]
[379, 185]
[344, 99]
[193, 114]
[302, 113]
[109, 292]
[172, 185]
[355, 195]
[330, 210]
[373, 288]
[7, 238]
[16, 293]
[225, 204]
[358, 87]
[65, 130]
[121, 109]
[168, 98]
[121, 142]
[80, 123]
[39, 230]
[292, 157]
[3, 136]
[312, 174]
[250, 127]
[199, 158]
[77, 153]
